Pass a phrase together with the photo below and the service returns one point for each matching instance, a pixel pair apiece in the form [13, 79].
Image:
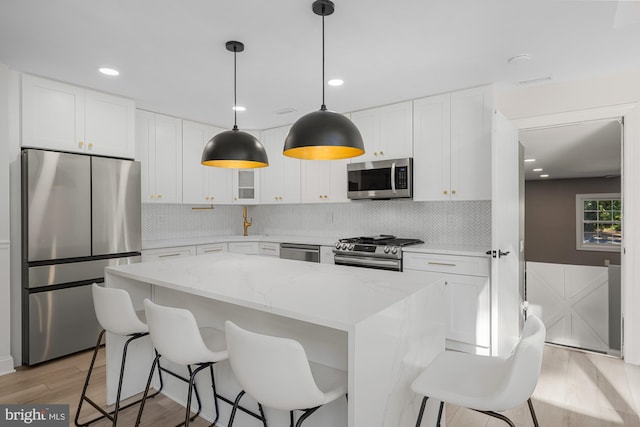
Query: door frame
[629, 258]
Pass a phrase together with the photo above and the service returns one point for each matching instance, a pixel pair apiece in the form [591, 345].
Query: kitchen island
[380, 327]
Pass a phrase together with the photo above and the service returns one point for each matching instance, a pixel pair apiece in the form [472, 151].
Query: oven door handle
[393, 177]
[376, 262]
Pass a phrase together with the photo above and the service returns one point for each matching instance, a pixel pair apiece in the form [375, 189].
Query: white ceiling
[579, 150]
[172, 57]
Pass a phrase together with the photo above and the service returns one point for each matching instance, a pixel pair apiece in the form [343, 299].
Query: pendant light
[323, 134]
[234, 148]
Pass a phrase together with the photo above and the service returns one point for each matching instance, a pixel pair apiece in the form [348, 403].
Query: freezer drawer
[56, 195]
[61, 322]
[58, 274]
[115, 205]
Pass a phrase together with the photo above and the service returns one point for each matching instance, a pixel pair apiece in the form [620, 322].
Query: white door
[507, 234]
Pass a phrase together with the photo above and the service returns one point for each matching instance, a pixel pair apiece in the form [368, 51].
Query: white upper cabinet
[202, 184]
[387, 131]
[324, 181]
[452, 146]
[65, 117]
[280, 181]
[159, 150]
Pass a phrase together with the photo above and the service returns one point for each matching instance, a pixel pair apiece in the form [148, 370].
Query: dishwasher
[300, 252]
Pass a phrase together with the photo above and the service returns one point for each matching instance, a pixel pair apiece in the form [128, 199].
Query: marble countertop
[434, 248]
[169, 243]
[448, 249]
[334, 296]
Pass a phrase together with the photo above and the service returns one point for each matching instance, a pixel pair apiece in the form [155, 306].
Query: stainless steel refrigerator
[80, 214]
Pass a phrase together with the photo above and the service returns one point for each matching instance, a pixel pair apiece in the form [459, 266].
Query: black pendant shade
[323, 134]
[234, 148]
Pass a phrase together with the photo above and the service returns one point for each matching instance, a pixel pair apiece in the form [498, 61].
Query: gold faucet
[246, 224]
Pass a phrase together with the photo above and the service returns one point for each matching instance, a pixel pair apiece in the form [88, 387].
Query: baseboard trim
[6, 365]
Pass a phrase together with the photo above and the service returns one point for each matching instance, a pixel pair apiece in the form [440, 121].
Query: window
[598, 222]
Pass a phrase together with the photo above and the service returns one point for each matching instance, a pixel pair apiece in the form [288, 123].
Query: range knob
[387, 249]
[344, 246]
[338, 245]
[350, 246]
[394, 250]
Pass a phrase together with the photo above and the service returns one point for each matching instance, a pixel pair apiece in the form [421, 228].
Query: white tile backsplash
[458, 223]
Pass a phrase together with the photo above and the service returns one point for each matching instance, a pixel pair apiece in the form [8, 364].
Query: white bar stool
[176, 336]
[486, 384]
[116, 315]
[275, 371]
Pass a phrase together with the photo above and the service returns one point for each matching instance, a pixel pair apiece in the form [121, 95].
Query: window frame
[580, 199]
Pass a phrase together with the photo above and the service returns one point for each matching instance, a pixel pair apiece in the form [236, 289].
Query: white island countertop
[333, 296]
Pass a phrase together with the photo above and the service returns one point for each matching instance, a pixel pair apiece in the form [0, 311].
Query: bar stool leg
[87, 380]
[192, 386]
[235, 408]
[421, 412]
[146, 390]
[215, 395]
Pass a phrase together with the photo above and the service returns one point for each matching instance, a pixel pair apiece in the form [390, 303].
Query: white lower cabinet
[168, 253]
[269, 249]
[211, 248]
[247, 248]
[326, 255]
[468, 299]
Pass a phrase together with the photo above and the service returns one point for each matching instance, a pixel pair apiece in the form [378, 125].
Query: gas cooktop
[382, 239]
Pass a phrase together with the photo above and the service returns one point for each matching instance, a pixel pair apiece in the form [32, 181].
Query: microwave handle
[393, 177]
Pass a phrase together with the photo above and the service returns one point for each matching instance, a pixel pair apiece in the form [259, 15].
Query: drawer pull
[168, 255]
[266, 248]
[442, 263]
[206, 251]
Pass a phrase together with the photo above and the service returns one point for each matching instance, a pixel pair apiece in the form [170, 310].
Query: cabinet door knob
[453, 191]
[375, 153]
[206, 198]
[81, 144]
[382, 153]
[153, 196]
[159, 196]
[90, 145]
[444, 192]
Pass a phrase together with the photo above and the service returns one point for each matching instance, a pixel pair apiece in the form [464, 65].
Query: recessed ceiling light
[335, 82]
[239, 108]
[520, 59]
[544, 175]
[109, 71]
[537, 170]
[529, 160]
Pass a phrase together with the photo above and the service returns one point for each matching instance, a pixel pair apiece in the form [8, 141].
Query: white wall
[616, 92]
[6, 361]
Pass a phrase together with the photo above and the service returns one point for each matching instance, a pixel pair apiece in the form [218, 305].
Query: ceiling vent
[537, 81]
[286, 111]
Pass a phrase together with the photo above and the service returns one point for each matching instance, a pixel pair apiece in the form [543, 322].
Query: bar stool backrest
[176, 336]
[115, 311]
[274, 371]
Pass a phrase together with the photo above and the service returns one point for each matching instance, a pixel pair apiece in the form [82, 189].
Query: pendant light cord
[323, 107]
[235, 102]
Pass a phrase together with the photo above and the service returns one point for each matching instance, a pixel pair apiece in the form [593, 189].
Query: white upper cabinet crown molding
[61, 116]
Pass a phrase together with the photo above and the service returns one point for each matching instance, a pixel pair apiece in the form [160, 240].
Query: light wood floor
[575, 389]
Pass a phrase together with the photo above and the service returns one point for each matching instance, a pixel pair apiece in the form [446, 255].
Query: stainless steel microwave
[384, 179]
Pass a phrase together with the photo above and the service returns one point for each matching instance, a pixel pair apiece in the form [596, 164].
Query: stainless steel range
[383, 252]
